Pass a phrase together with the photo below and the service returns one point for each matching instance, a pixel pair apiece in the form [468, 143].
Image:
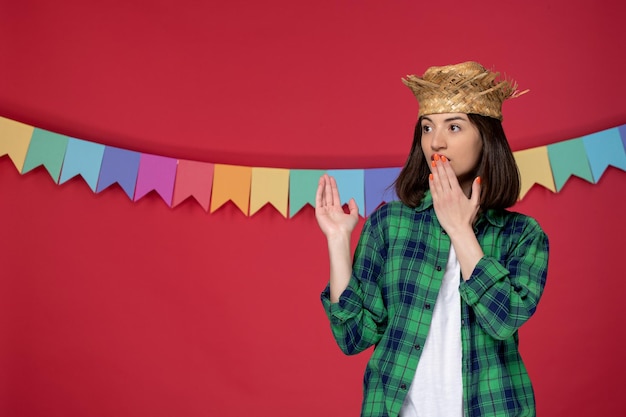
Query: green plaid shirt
[397, 271]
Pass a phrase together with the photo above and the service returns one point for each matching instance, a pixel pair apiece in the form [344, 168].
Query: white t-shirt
[437, 388]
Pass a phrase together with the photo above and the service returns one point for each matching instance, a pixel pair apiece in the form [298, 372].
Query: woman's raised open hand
[329, 211]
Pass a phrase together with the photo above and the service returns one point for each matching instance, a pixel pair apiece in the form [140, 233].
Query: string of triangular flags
[287, 190]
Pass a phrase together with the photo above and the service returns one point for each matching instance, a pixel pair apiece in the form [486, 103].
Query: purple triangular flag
[121, 166]
[379, 187]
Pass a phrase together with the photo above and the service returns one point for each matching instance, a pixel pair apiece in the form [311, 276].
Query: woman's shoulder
[516, 216]
[390, 209]
[514, 220]
[395, 214]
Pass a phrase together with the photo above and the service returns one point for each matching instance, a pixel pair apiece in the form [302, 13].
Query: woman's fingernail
[443, 158]
[430, 176]
[436, 156]
[433, 164]
[478, 180]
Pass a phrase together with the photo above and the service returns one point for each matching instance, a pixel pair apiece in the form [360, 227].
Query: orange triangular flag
[231, 182]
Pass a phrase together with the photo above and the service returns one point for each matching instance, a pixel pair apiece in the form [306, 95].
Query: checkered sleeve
[504, 293]
[359, 318]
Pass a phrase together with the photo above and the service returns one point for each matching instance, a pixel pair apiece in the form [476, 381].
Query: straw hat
[461, 88]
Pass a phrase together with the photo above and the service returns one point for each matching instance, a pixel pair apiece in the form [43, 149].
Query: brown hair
[500, 180]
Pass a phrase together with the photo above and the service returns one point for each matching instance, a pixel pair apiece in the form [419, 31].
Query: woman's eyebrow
[450, 119]
[455, 118]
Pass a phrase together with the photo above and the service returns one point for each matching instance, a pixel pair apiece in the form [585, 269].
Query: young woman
[441, 280]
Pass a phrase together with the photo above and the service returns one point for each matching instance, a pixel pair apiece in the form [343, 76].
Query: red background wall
[115, 308]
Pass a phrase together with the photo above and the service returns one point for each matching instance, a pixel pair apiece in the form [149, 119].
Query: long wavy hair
[498, 172]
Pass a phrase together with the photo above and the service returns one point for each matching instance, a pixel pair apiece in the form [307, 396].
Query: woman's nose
[437, 141]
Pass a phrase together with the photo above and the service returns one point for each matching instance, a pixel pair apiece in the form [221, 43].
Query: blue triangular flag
[603, 149]
[82, 158]
[350, 184]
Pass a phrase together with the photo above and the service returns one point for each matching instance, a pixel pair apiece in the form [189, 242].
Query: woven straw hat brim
[461, 88]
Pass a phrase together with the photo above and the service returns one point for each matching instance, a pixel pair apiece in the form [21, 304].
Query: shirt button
[427, 306]
[462, 321]
[443, 232]
[403, 386]
[438, 268]
[417, 347]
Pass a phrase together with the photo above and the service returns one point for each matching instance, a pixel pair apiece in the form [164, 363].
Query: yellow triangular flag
[14, 140]
[231, 182]
[534, 168]
[269, 185]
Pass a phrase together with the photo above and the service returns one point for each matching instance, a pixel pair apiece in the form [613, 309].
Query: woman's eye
[426, 128]
[455, 128]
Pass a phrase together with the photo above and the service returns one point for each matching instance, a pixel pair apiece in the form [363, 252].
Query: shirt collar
[495, 217]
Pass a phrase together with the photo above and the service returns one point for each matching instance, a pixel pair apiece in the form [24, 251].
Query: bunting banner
[193, 179]
[286, 190]
[84, 159]
[156, 173]
[269, 185]
[47, 149]
[119, 166]
[231, 182]
[535, 165]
